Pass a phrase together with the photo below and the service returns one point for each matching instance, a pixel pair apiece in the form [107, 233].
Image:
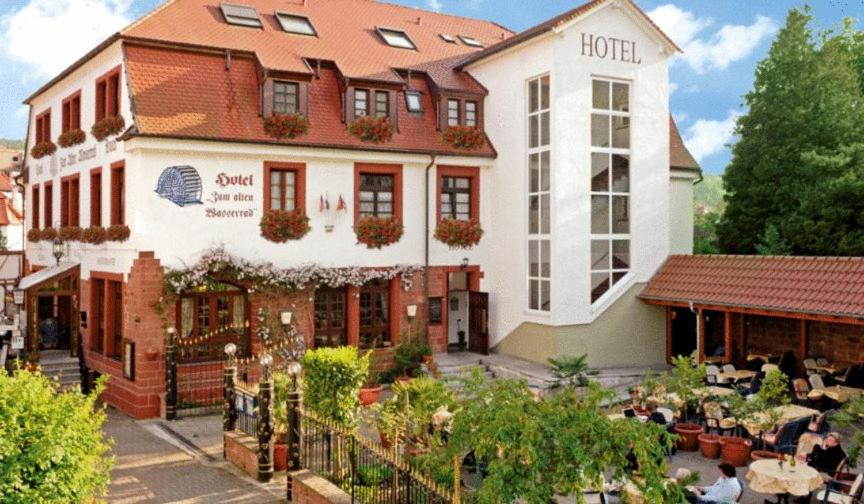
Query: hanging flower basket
[43, 149]
[72, 137]
[281, 126]
[464, 137]
[459, 234]
[94, 235]
[279, 226]
[34, 235]
[70, 233]
[371, 129]
[118, 233]
[378, 232]
[107, 127]
[48, 234]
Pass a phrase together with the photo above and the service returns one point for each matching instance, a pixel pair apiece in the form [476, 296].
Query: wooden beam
[833, 319]
[700, 331]
[803, 340]
[669, 315]
[727, 335]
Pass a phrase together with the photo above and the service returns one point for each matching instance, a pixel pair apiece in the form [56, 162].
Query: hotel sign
[616, 49]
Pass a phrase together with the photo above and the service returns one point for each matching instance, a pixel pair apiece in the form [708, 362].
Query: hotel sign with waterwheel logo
[180, 185]
[232, 198]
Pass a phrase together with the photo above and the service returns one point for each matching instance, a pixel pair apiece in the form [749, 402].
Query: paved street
[149, 469]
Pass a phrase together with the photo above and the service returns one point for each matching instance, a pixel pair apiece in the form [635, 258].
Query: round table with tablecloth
[770, 476]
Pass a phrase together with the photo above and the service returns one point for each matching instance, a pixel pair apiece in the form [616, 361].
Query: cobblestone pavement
[149, 469]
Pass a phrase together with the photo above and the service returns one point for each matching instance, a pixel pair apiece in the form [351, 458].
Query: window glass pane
[462, 183]
[533, 133]
[396, 38]
[412, 101]
[295, 24]
[534, 215]
[187, 312]
[545, 301]
[600, 95]
[620, 132]
[534, 169]
[599, 130]
[533, 96]
[544, 214]
[544, 128]
[546, 259]
[620, 97]
[621, 254]
[600, 214]
[620, 173]
[600, 259]
[544, 171]
[620, 214]
[544, 93]
[599, 172]
[534, 294]
[239, 312]
[534, 258]
[382, 103]
[599, 285]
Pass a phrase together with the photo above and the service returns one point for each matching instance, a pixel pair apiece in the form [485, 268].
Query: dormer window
[461, 112]
[447, 38]
[241, 15]
[453, 113]
[471, 113]
[396, 38]
[293, 23]
[361, 102]
[382, 104]
[470, 41]
[286, 97]
[413, 103]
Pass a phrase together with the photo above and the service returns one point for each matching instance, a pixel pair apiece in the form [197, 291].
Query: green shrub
[51, 445]
[424, 397]
[571, 371]
[332, 381]
[409, 355]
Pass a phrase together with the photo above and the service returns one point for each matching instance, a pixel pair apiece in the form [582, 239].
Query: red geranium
[118, 233]
[34, 235]
[464, 137]
[43, 149]
[72, 137]
[70, 233]
[371, 129]
[460, 234]
[281, 126]
[279, 226]
[377, 232]
[94, 235]
[108, 126]
[48, 234]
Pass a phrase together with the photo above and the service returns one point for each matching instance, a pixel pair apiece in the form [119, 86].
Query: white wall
[681, 212]
[559, 54]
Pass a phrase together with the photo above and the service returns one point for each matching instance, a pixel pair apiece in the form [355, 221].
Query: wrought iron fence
[365, 470]
[246, 405]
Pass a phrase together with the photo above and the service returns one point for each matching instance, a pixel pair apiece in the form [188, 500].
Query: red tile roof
[8, 213]
[5, 183]
[191, 95]
[679, 155]
[832, 286]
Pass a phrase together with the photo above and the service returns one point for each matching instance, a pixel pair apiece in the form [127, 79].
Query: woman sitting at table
[727, 488]
[827, 457]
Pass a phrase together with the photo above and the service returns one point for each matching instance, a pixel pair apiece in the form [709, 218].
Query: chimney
[419, 21]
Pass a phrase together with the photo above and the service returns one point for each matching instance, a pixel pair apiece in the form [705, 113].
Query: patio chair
[841, 492]
[816, 381]
[801, 389]
[767, 368]
[785, 439]
[668, 414]
[741, 493]
[729, 368]
[821, 361]
[716, 419]
[810, 366]
[820, 424]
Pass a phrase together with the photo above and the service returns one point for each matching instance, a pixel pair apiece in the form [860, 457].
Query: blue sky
[722, 39]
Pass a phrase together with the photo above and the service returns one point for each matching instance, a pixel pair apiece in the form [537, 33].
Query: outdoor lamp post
[265, 420]
[57, 249]
[294, 396]
[170, 375]
[229, 377]
[18, 296]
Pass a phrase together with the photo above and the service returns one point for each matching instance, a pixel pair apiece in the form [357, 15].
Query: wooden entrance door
[331, 328]
[478, 323]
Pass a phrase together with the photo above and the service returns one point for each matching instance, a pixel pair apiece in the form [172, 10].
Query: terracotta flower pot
[280, 457]
[370, 395]
[735, 450]
[426, 359]
[709, 445]
[764, 454]
[688, 436]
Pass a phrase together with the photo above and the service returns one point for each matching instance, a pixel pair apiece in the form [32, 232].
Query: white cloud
[435, 5]
[680, 117]
[712, 51]
[22, 112]
[706, 137]
[673, 86]
[49, 35]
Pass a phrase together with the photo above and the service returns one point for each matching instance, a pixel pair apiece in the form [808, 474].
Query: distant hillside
[11, 144]
[708, 196]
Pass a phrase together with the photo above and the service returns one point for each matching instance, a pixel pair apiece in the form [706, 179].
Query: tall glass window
[610, 185]
[539, 196]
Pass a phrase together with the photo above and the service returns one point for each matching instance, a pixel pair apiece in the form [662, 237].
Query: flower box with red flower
[72, 137]
[108, 126]
[281, 126]
[94, 235]
[34, 235]
[459, 234]
[48, 234]
[70, 233]
[279, 226]
[378, 232]
[464, 137]
[43, 149]
[118, 233]
[371, 129]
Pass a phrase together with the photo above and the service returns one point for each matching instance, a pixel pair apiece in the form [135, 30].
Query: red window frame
[70, 197]
[118, 193]
[470, 172]
[379, 169]
[71, 112]
[96, 197]
[106, 309]
[108, 94]
[299, 170]
[49, 204]
[34, 206]
[43, 127]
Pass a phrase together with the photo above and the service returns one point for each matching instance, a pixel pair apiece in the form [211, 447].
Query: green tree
[52, 449]
[806, 98]
[705, 233]
[771, 242]
[331, 383]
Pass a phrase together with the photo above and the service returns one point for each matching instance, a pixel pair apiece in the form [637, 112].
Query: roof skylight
[241, 15]
[470, 41]
[447, 38]
[396, 38]
[295, 23]
[412, 102]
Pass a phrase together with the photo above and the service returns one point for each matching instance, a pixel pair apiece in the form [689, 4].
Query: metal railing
[246, 404]
[365, 470]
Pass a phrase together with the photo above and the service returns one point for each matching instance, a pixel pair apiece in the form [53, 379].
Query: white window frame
[611, 237]
[280, 15]
[384, 31]
[543, 239]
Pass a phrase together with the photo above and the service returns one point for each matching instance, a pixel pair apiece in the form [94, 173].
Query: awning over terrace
[726, 293]
[45, 275]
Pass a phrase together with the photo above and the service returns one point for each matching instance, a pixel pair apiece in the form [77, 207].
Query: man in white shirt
[725, 490]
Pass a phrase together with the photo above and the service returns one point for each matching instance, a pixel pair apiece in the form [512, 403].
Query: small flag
[340, 205]
[321, 204]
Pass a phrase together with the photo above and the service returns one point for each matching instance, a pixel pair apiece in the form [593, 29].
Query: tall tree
[806, 98]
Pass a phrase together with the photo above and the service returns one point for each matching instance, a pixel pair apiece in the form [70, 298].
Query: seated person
[654, 415]
[827, 457]
[726, 489]
[720, 351]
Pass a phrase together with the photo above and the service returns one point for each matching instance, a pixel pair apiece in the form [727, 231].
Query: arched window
[211, 317]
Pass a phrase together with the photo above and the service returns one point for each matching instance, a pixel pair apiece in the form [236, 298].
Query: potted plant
[371, 129]
[735, 450]
[281, 384]
[459, 234]
[370, 392]
[70, 233]
[709, 445]
[43, 149]
[48, 234]
[426, 356]
[378, 232]
[571, 371]
[108, 126]
[688, 435]
[118, 233]
[281, 126]
[279, 226]
[34, 235]
[464, 137]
